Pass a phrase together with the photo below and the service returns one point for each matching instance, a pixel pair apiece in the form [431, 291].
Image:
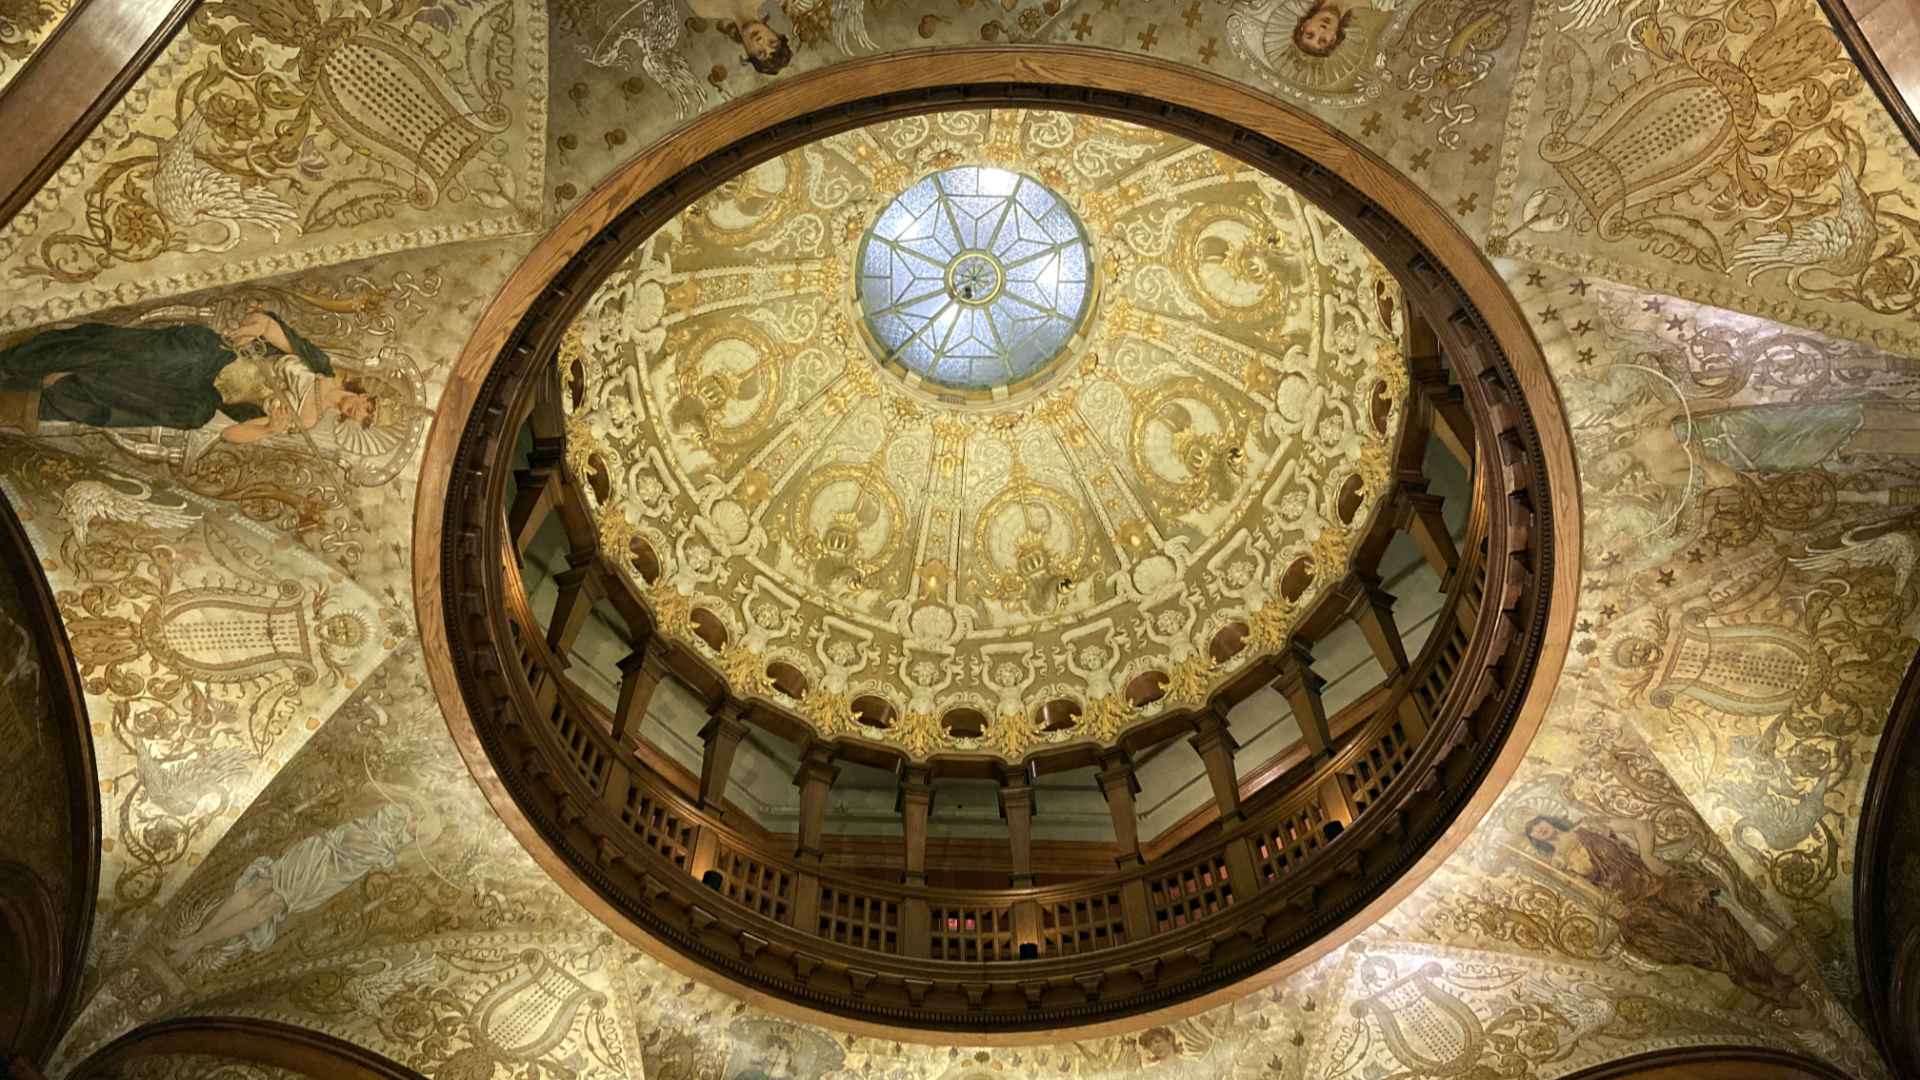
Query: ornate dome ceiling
[985, 430]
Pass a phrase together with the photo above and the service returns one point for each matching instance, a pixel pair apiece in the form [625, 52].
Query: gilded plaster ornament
[932, 541]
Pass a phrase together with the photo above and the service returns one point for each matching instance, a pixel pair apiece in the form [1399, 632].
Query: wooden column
[1119, 784]
[1446, 404]
[815, 779]
[536, 490]
[726, 726]
[1301, 686]
[1216, 746]
[916, 804]
[581, 585]
[1373, 611]
[1413, 717]
[640, 675]
[1016, 806]
[1419, 514]
[1335, 801]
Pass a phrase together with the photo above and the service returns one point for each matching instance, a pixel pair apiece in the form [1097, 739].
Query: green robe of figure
[129, 376]
[1775, 437]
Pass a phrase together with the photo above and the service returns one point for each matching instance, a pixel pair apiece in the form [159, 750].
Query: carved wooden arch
[1886, 937]
[43, 947]
[491, 388]
[256, 1042]
[1712, 1063]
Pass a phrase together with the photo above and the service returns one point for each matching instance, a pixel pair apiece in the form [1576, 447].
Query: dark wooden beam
[96, 54]
[257, 1042]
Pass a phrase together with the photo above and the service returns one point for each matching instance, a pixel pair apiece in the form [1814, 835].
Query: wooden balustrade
[1279, 866]
[784, 903]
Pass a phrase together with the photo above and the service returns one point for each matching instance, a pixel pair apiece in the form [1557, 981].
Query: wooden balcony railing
[1302, 854]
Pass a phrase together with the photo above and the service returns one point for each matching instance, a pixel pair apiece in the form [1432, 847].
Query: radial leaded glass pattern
[975, 278]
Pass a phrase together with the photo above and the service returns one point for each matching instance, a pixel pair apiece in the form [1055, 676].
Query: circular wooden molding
[256, 1042]
[1712, 1063]
[1444, 275]
[1889, 954]
[55, 940]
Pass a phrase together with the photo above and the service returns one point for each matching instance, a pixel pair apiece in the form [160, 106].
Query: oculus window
[975, 279]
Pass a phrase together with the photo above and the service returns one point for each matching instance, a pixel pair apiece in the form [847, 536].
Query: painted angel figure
[656, 30]
[310, 872]
[1667, 912]
[1329, 52]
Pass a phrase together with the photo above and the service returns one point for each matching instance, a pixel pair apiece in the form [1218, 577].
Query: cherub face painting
[1321, 29]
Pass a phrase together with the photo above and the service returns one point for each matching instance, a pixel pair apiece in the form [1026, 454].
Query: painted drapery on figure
[1671, 915]
[168, 376]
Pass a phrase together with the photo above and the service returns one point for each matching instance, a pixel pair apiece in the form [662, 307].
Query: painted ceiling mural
[1227, 412]
[289, 833]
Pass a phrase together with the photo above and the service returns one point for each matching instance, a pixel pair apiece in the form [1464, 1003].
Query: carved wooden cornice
[1712, 1063]
[46, 942]
[1261, 889]
[1887, 941]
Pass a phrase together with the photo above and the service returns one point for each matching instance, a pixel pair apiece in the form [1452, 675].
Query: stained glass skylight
[975, 278]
